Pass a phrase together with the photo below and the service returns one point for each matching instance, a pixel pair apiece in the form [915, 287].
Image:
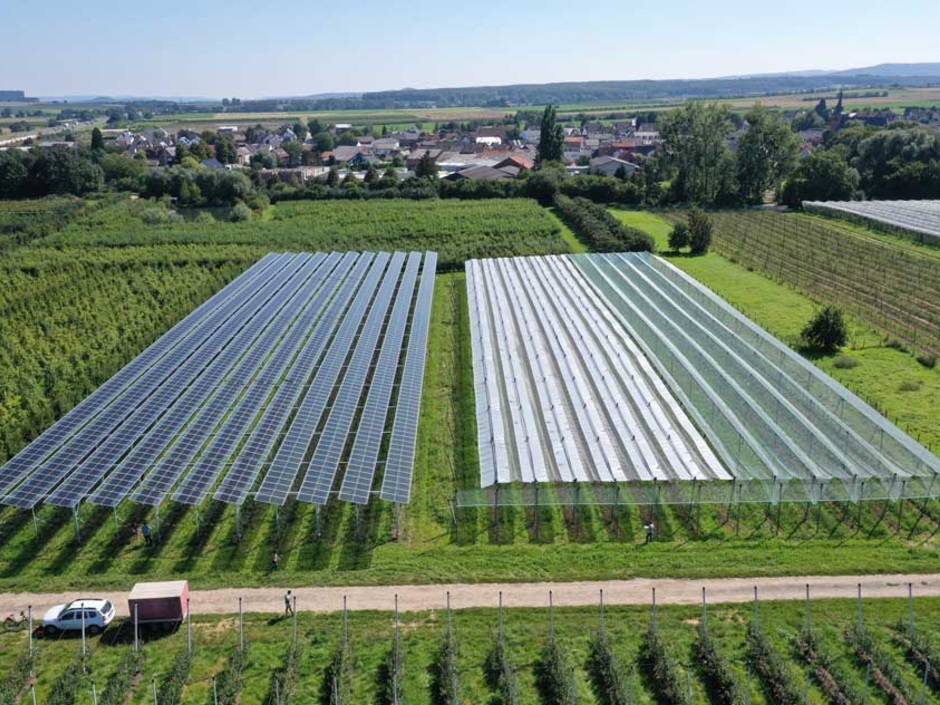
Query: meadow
[727, 654]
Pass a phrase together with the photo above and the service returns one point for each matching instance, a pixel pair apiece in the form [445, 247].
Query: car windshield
[106, 607]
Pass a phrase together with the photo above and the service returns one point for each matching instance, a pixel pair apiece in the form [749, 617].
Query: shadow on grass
[169, 523]
[196, 545]
[502, 526]
[539, 525]
[47, 530]
[322, 545]
[361, 538]
[122, 535]
[87, 529]
[12, 524]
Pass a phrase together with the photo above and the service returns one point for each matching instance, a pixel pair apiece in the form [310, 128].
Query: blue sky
[218, 48]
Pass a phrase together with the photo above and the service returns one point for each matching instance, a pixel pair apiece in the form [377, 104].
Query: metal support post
[189, 628]
[241, 627]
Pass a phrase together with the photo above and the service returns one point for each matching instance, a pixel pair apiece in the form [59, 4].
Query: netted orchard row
[456, 230]
[845, 651]
[23, 221]
[892, 288]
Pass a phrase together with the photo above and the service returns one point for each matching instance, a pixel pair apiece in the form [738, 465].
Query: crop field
[839, 651]
[891, 288]
[919, 219]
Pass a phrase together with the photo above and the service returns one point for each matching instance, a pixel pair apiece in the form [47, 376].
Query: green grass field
[371, 635]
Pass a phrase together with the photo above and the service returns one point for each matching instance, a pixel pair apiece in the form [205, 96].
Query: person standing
[650, 529]
[288, 607]
[275, 562]
[148, 540]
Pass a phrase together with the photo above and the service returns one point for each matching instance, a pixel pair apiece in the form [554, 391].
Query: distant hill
[894, 70]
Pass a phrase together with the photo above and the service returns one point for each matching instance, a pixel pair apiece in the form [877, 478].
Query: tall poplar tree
[551, 138]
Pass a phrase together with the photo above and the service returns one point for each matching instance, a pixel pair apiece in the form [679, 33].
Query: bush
[154, 216]
[716, 671]
[500, 674]
[287, 676]
[679, 237]
[392, 676]
[241, 213]
[832, 679]
[844, 362]
[883, 671]
[928, 361]
[606, 672]
[778, 683]
[205, 218]
[445, 674]
[338, 681]
[116, 690]
[65, 689]
[602, 231]
[16, 678]
[660, 669]
[230, 681]
[171, 687]
[553, 676]
[700, 231]
[825, 331]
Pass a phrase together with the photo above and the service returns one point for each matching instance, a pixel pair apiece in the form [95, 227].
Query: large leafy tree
[767, 153]
[695, 143]
[551, 137]
[826, 330]
[821, 176]
[426, 167]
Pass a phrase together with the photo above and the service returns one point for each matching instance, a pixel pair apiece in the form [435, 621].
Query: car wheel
[50, 630]
[94, 630]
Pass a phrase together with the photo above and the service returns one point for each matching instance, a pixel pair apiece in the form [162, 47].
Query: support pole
[654, 609]
[345, 623]
[153, 684]
[84, 640]
[859, 607]
[809, 617]
[241, 627]
[94, 694]
[551, 617]
[910, 609]
[78, 538]
[136, 631]
[35, 521]
[29, 612]
[756, 610]
[238, 522]
[319, 532]
[704, 611]
[117, 525]
[189, 628]
[500, 613]
[215, 692]
[157, 514]
[295, 620]
[602, 609]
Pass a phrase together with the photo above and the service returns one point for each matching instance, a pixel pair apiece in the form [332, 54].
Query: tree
[314, 126]
[700, 231]
[332, 177]
[679, 237]
[766, 153]
[323, 142]
[825, 331]
[551, 139]
[426, 167]
[294, 152]
[695, 143]
[97, 140]
[372, 175]
[821, 176]
[300, 129]
[225, 149]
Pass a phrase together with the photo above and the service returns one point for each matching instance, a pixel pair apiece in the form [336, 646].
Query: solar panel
[30, 457]
[322, 468]
[226, 403]
[357, 481]
[247, 350]
[125, 409]
[209, 366]
[287, 380]
[399, 462]
[280, 477]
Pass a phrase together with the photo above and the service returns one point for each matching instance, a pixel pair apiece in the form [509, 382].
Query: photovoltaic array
[922, 218]
[303, 361]
[607, 368]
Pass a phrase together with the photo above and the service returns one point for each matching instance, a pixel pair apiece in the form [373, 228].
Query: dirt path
[414, 598]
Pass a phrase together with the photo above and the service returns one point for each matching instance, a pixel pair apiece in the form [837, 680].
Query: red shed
[159, 602]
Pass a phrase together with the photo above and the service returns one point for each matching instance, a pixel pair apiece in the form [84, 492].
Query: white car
[62, 618]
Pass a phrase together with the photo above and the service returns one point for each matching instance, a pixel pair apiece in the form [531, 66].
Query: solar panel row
[235, 335]
[280, 477]
[76, 449]
[360, 469]
[243, 355]
[399, 463]
[322, 468]
[295, 362]
[30, 457]
[228, 401]
[294, 377]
